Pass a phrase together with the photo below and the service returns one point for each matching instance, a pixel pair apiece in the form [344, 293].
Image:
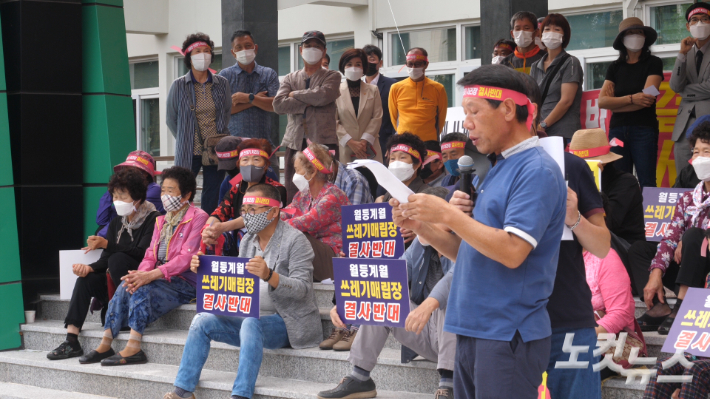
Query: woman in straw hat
[634, 112]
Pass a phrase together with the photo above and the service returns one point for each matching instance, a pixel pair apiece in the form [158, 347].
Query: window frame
[463, 44]
[138, 95]
[387, 40]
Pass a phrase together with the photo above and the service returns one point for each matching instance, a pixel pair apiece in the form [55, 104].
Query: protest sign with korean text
[658, 209]
[691, 329]
[371, 291]
[226, 288]
[368, 232]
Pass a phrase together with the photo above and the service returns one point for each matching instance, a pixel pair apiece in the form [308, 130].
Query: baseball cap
[313, 34]
[227, 152]
[141, 160]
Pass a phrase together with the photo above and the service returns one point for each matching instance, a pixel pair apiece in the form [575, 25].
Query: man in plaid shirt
[353, 184]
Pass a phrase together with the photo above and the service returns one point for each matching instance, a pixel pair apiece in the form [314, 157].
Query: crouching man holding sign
[282, 258]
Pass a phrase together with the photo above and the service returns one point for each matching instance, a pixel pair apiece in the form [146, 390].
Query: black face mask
[372, 69]
[233, 172]
[426, 172]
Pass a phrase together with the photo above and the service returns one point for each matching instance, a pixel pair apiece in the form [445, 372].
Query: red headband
[431, 156]
[417, 57]
[496, 93]
[311, 157]
[227, 154]
[253, 151]
[452, 144]
[503, 45]
[195, 45]
[597, 151]
[698, 11]
[261, 201]
[409, 150]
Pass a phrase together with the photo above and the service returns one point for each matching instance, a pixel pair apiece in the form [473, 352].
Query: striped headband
[500, 94]
[409, 150]
[452, 144]
[261, 201]
[312, 157]
[253, 151]
[195, 45]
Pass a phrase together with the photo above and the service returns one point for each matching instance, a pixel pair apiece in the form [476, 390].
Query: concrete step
[328, 367]
[151, 380]
[641, 306]
[20, 391]
[616, 388]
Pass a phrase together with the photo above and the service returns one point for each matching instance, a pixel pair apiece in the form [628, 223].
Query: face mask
[171, 203]
[497, 59]
[426, 171]
[301, 182]
[634, 43]
[700, 31]
[452, 166]
[415, 73]
[256, 223]
[245, 57]
[401, 170]
[312, 55]
[552, 40]
[201, 61]
[123, 208]
[252, 174]
[523, 38]
[372, 69]
[353, 74]
[538, 43]
[702, 168]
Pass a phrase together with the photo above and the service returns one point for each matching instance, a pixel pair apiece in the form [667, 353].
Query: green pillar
[109, 125]
[10, 278]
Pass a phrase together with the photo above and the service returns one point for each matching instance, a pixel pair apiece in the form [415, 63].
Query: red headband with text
[699, 10]
[312, 157]
[499, 94]
[597, 151]
[227, 154]
[503, 45]
[251, 200]
[195, 45]
[253, 151]
[432, 156]
[417, 57]
[409, 150]
[453, 144]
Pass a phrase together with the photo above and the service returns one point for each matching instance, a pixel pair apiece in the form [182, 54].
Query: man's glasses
[251, 210]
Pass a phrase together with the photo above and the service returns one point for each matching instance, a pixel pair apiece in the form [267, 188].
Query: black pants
[290, 170]
[694, 268]
[211, 180]
[94, 286]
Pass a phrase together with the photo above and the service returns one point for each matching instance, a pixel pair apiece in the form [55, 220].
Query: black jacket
[687, 178]
[625, 211]
[135, 249]
[386, 129]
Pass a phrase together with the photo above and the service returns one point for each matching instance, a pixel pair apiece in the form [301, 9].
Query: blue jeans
[147, 304]
[574, 383]
[211, 181]
[640, 149]
[250, 334]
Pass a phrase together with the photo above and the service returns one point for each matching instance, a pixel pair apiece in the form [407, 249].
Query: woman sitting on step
[163, 280]
[128, 237]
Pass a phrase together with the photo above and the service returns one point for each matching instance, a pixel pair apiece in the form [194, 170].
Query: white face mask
[634, 43]
[402, 170]
[552, 40]
[700, 31]
[538, 42]
[702, 168]
[522, 38]
[201, 61]
[353, 73]
[312, 55]
[245, 57]
[497, 59]
[123, 208]
[415, 73]
[300, 182]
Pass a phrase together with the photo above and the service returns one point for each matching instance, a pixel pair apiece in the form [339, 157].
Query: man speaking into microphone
[506, 255]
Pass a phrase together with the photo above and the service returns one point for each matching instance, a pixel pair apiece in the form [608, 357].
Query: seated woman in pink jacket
[163, 280]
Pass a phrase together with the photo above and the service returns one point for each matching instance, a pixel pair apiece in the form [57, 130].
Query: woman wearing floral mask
[198, 110]
[560, 77]
[127, 238]
[163, 280]
[634, 112]
[315, 209]
[254, 155]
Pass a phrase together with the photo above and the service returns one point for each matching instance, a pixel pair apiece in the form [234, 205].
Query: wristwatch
[543, 125]
[251, 98]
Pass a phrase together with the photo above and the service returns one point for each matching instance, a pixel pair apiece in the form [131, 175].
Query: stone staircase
[285, 373]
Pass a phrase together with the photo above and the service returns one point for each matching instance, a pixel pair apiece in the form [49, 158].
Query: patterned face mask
[171, 203]
[256, 223]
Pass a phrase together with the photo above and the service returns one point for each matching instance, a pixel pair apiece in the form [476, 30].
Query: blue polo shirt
[523, 194]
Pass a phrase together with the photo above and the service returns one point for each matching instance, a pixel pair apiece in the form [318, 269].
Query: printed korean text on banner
[371, 291]
[226, 288]
[368, 232]
[691, 331]
[658, 209]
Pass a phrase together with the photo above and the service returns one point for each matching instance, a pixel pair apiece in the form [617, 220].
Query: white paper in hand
[385, 178]
[67, 278]
[651, 90]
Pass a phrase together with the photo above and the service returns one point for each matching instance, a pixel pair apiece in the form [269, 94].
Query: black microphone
[465, 165]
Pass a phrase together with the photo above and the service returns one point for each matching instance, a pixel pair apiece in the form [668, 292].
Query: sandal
[650, 323]
[118, 360]
[665, 327]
